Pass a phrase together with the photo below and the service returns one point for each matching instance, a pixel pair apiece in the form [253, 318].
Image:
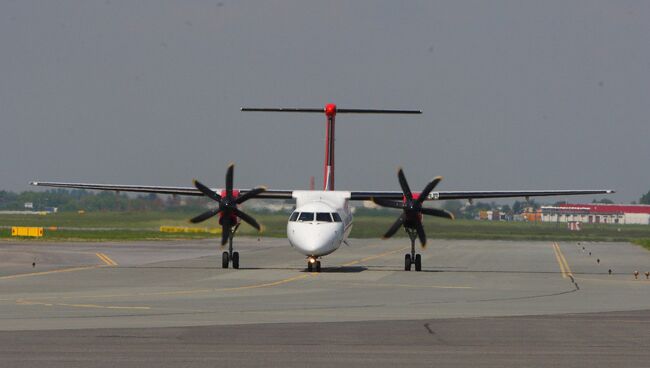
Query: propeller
[411, 218]
[227, 205]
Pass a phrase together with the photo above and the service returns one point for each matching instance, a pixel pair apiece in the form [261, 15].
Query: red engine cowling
[233, 219]
[415, 197]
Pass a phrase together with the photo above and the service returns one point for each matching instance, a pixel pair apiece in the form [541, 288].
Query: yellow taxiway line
[561, 260]
[72, 269]
[409, 286]
[374, 257]
[103, 257]
[95, 306]
[106, 259]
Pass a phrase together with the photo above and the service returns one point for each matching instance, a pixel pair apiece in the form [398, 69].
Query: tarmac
[485, 303]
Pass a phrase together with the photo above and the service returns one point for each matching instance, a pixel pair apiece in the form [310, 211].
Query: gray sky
[515, 94]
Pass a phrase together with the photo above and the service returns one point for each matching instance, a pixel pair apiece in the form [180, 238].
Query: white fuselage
[321, 222]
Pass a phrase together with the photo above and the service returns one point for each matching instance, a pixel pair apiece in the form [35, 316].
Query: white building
[597, 213]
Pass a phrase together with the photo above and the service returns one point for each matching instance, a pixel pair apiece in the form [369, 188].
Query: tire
[235, 260]
[225, 259]
[317, 266]
[407, 262]
[309, 266]
[418, 262]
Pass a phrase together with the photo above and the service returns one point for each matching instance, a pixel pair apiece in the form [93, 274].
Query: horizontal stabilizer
[283, 109]
[322, 110]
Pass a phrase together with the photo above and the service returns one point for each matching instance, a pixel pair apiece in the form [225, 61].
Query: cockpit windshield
[318, 216]
[336, 217]
[323, 217]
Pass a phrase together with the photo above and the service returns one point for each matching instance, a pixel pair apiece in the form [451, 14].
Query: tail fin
[330, 111]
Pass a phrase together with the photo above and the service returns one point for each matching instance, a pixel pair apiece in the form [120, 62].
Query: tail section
[330, 111]
[328, 166]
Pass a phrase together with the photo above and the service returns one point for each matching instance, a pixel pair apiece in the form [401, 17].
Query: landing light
[312, 260]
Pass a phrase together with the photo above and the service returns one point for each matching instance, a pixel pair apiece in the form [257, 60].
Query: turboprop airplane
[322, 219]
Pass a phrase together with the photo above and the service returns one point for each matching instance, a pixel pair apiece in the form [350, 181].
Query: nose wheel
[411, 259]
[313, 265]
[230, 255]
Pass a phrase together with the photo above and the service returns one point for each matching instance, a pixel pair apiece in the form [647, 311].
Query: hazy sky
[515, 94]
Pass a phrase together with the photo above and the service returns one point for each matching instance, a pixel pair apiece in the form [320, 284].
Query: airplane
[322, 220]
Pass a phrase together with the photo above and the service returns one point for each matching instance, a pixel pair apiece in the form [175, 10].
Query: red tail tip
[330, 110]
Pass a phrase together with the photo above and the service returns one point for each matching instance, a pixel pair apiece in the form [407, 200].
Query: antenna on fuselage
[330, 111]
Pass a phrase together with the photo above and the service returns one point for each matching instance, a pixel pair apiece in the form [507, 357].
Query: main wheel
[309, 266]
[225, 259]
[317, 266]
[235, 260]
[418, 262]
[407, 262]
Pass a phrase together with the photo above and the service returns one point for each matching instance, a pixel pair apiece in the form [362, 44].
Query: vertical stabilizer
[328, 166]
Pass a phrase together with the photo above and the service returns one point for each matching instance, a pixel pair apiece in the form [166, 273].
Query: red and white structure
[598, 213]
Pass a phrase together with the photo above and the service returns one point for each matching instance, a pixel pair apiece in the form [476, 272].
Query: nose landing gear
[412, 258]
[230, 256]
[313, 264]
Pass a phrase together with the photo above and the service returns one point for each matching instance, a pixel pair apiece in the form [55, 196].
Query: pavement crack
[431, 332]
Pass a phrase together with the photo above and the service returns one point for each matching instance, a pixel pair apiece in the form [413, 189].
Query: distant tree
[483, 206]
[645, 199]
[7, 199]
[472, 211]
[454, 207]
[603, 201]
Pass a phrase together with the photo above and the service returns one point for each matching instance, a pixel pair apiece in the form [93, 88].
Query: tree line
[77, 200]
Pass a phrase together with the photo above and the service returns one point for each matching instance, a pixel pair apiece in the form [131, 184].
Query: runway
[473, 299]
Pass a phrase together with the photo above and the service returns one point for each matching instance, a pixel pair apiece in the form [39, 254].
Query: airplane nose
[315, 242]
[318, 243]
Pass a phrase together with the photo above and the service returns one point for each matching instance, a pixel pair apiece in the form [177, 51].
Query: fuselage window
[306, 216]
[294, 216]
[336, 217]
[323, 217]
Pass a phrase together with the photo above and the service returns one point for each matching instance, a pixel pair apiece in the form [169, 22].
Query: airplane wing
[354, 195]
[445, 195]
[190, 191]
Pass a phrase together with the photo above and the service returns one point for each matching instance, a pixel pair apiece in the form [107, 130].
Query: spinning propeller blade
[411, 218]
[227, 205]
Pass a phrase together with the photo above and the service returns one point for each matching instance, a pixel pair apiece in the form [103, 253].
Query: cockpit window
[306, 216]
[336, 217]
[294, 216]
[323, 217]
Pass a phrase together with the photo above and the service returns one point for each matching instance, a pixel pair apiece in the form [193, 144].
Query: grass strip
[133, 226]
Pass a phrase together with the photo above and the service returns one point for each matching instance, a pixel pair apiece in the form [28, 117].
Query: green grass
[471, 229]
[645, 243]
[105, 235]
[138, 220]
[99, 226]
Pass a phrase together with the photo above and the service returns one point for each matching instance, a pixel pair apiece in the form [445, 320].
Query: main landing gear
[412, 258]
[230, 256]
[313, 264]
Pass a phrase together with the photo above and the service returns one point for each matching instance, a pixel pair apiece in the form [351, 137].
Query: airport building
[597, 213]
